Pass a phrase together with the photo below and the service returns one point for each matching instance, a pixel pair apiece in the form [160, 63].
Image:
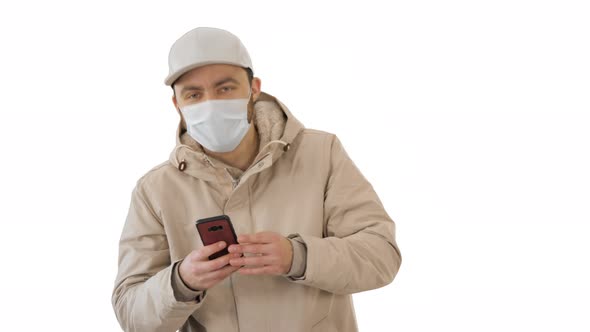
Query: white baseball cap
[204, 46]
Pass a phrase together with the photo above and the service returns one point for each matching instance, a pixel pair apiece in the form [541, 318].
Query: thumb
[209, 250]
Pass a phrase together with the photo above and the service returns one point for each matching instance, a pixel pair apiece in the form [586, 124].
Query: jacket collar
[276, 127]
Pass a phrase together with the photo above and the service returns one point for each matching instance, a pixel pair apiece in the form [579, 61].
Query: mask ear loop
[182, 121]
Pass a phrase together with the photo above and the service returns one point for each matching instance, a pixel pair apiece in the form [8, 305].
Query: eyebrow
[218, 83]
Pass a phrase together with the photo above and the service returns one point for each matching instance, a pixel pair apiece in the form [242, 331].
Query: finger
[259, 270]
[220, 274]
[254, 261]
[261, 237]
[215, 264]
[245, 238]
[252, 248]
[206, 251]
[219, 262]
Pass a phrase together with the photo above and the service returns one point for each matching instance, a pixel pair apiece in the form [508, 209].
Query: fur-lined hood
[275, 125]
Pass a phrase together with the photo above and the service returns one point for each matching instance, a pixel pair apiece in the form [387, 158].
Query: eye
[193, 96]
[226, 89]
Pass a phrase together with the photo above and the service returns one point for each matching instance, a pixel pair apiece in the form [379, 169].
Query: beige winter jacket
[303, 185]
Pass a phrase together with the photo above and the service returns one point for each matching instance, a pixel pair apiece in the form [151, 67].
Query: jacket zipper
[234, 182]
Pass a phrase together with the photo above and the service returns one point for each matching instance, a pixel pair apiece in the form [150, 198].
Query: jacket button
[287, 147]
[182, 165]
[260, 164]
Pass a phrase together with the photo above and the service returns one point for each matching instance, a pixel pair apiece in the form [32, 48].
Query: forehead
[208, 74]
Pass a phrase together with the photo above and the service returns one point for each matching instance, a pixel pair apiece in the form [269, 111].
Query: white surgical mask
[218, 124]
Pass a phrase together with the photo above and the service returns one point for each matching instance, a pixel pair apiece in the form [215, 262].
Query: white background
[470, 118]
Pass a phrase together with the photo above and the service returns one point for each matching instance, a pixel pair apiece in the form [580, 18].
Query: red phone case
[215, 229]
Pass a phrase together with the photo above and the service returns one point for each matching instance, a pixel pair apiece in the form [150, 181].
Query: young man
[311, 229]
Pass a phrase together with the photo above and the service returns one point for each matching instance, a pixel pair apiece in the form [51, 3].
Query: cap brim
[171, 78]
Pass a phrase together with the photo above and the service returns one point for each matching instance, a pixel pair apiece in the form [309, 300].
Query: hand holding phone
[198, 272]
[203, 268]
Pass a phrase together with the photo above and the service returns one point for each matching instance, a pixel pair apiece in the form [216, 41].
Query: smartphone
[215, 229]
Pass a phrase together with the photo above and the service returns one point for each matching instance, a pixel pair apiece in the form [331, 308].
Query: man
[311, 229]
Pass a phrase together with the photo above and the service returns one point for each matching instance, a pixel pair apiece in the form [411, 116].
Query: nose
[206, 96]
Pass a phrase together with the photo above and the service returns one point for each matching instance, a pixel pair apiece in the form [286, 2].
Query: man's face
[217, 81]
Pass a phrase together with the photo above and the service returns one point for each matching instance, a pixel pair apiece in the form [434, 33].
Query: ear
[256, 83]
[251, 109]
[175, 102]
[255, 94]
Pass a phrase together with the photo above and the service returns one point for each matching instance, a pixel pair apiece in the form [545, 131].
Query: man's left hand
[272, 252]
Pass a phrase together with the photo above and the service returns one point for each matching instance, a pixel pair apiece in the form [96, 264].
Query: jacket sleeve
[358, 251]
[143, 297]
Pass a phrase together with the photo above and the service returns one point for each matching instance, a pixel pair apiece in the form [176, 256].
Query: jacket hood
[276, 128]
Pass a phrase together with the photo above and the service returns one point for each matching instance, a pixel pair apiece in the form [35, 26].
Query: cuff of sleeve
[182, 292]
[299, 263]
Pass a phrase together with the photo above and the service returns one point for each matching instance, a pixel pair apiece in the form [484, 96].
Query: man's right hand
[199, 273]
